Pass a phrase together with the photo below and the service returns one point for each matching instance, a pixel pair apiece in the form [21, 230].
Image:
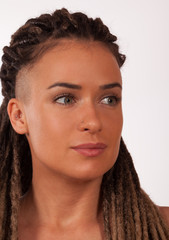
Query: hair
[127, 210]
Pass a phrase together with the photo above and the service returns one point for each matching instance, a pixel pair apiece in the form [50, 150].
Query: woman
[66, 171]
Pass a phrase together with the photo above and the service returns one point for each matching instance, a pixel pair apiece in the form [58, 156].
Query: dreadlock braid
[133, 215]
[128, 212]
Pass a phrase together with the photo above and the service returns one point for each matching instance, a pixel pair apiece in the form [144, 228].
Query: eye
[111, 100]
[65, 99]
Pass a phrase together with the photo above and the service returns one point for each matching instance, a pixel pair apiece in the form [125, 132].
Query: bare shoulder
[164, 213]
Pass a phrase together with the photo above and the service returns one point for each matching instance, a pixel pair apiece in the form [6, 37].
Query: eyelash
[68, 95]
[64, 95]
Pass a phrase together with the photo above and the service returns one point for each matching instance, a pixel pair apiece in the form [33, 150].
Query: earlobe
[17, 116]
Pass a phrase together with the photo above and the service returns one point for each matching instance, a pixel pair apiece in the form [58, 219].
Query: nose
[89, 120]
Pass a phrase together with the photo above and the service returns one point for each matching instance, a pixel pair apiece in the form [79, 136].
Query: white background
[142, 28]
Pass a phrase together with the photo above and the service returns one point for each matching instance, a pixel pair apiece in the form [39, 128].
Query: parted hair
[127, 210]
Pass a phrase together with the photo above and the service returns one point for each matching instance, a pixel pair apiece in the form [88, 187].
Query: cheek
[113, 129]
[117, 130]
[113, 124]
[48, 131]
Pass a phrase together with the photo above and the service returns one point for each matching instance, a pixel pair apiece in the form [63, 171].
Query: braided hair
[127, 210]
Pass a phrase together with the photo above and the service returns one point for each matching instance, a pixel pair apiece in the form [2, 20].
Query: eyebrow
[110, 85]
[74, 86]
[67, 85]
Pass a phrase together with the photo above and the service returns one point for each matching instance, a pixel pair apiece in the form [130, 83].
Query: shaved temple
[22, 88]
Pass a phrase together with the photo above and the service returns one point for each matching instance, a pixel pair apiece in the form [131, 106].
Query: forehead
[78, 62]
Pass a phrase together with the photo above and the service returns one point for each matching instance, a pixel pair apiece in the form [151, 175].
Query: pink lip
[90, 149]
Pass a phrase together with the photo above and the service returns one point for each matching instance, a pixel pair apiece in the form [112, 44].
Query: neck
[61, 201]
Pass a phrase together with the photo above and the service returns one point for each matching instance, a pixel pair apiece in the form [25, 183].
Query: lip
[90, 149]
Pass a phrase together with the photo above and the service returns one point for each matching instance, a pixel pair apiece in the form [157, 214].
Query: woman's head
[73, 40]
[72, 96]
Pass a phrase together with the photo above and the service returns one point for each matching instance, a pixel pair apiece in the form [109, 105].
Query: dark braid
[128, 212]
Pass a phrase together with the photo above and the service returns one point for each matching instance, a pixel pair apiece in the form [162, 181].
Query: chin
[90, 173]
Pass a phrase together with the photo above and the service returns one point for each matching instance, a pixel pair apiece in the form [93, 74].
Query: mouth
[90, 149]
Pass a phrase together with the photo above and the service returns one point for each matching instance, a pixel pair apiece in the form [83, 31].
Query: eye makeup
[70, 99]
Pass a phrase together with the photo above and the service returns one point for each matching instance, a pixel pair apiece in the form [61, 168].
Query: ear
[17, 116]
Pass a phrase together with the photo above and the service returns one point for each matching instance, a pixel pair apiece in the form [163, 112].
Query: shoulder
[164, 211]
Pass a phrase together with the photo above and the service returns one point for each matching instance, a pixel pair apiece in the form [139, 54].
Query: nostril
[90, 125]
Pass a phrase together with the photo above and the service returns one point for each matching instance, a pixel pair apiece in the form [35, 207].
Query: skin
[63, 201]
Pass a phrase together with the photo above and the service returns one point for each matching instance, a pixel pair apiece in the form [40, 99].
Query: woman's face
[75, 99]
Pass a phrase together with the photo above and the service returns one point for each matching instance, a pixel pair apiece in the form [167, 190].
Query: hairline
[22, 92]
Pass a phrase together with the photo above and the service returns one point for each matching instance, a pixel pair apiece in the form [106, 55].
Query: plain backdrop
[142, 28]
